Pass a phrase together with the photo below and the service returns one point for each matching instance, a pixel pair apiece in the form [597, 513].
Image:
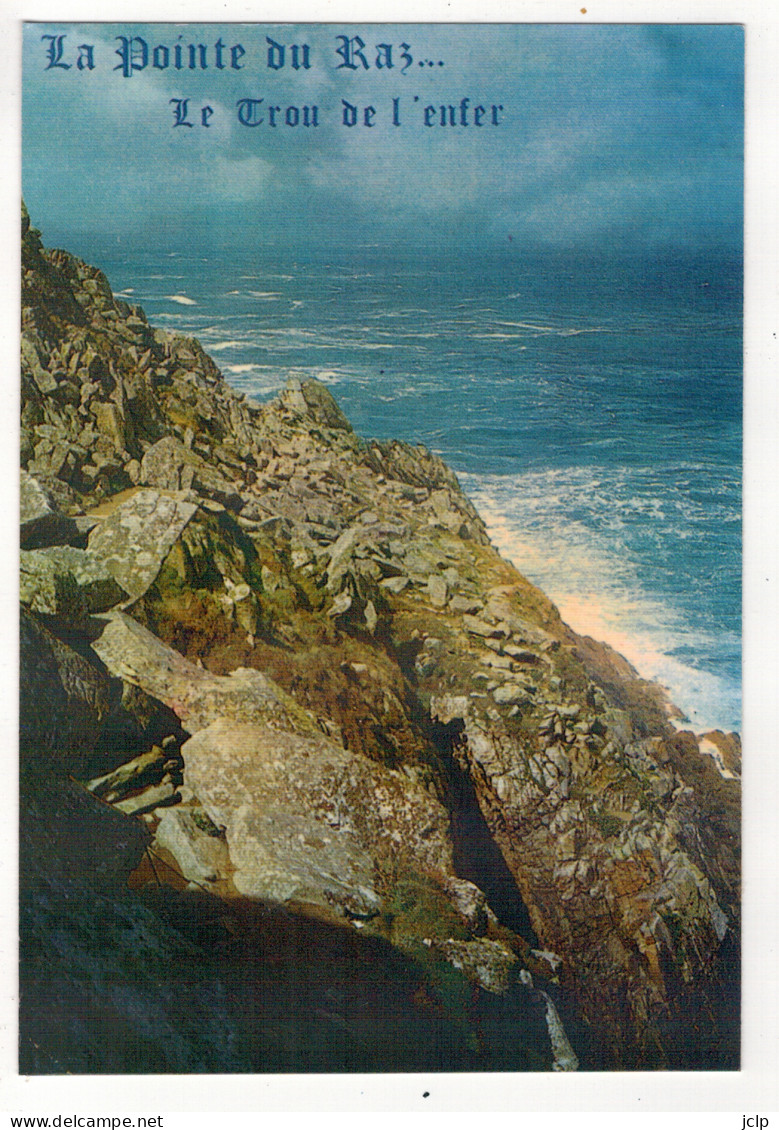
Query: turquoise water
[591, 408]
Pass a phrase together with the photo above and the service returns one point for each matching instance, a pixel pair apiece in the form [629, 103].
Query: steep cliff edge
[289, 666]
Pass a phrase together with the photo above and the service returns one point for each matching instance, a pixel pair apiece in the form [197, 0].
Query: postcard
[381, 549]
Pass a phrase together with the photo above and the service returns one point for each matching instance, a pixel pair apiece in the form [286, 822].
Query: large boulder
[41, 522]
[137, 536]
[310, 822]
[596, 858]
[197, 697]
[64, 581]
[73, 713]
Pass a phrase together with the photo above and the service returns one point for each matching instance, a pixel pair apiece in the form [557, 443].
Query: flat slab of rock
[198, 697]
[136, 538]
[308, 821]
[476, 627]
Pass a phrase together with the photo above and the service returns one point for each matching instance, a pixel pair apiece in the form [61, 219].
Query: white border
[753, 1090]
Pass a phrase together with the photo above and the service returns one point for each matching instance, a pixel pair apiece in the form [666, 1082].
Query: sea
[590, 406]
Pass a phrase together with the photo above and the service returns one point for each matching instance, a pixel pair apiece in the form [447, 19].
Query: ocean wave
[182, 299]
[564, 531]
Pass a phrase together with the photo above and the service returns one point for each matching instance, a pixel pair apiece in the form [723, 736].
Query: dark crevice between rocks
[476, 855]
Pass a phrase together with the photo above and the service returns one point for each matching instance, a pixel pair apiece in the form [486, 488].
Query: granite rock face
[307, 820]
[291, 660]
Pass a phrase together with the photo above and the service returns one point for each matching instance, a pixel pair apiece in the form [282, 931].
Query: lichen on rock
[334, 708]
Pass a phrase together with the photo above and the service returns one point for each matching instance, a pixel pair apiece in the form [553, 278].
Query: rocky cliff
[313, 779]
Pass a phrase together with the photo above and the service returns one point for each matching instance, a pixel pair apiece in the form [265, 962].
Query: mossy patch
[416, 908]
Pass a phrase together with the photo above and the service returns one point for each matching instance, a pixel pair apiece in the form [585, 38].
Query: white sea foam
[595, 583]
[182, 299]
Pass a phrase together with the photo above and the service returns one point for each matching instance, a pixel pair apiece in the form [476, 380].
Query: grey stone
[201, 857]
[41, 522]
[469, 901]
[510, 694]
[95, 588]
[395, 584]
[476, 627]
[154, 797]
[47, 586]
[132, 653]
[371, 617]
[487, 963]
[307, 820]
[461, 604]
[341, 604]
[136, 538]
[437, 590]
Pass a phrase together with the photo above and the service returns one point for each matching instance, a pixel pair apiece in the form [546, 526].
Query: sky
[605, 136]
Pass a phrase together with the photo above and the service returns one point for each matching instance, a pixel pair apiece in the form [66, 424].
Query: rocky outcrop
[306, 821]
[291, 660]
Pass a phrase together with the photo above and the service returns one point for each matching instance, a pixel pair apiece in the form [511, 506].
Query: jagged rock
[246, 609]
[341, 604]
[170, 465]
[395, 585]
[63, 699]
[310, 398]
[41, 522]
[196, 845]
[476, 627]
[341, 557]
[132, 653]
[135, 539]
[468, 901]
[614, 894]
[132, 775]
[437, 591]
[521, 654]
[308, 821]
[47, 586]
[487, 963]
[510, 694]
[68, 582]
[460, 604]
[155, 796]
[371, 616]
[111, 422]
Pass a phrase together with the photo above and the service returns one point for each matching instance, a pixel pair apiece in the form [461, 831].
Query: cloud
[604, 129]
